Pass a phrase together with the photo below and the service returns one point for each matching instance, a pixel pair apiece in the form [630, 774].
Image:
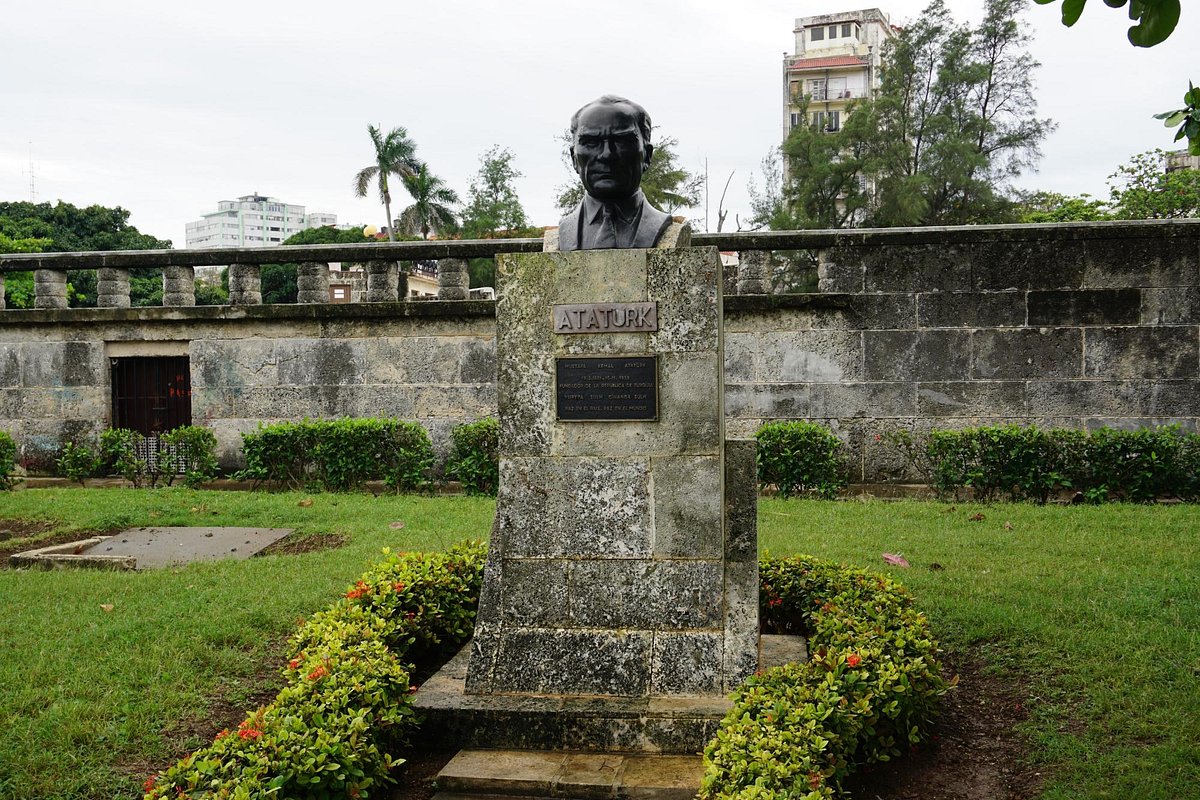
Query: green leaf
[1071, 10]
[1158, 20]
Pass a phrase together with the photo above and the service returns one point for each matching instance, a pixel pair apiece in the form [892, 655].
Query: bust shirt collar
[626, 210]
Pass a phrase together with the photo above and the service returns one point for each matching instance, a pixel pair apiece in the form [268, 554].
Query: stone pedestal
[383, 282]
[622, 569]
[49, 288]
[179, 286]
[453, 279]
[754, 272]
[112, 288]
[312, 282]
[245, 285]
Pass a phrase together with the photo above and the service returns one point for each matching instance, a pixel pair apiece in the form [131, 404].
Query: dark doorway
[151, 395]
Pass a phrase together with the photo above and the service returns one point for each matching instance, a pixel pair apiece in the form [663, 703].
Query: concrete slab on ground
[473, 773]
[155, 548]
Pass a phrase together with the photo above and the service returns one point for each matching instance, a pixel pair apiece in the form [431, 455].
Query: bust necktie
[607, 237]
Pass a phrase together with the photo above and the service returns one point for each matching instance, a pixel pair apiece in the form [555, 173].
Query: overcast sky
[165, 108]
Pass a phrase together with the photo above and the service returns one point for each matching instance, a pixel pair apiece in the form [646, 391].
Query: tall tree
[954, 120]
[493, 208]
[395, 154]
[432, 208]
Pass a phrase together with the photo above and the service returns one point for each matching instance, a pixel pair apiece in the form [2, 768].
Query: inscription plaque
[606, 389]
[605, 317]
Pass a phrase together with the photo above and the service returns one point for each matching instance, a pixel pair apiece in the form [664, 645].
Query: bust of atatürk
[610, 149]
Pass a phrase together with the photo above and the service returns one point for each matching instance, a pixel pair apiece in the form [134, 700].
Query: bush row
[8, 460]
[1031, 463]
[346, 703]
[338, 455]
[188, 452]
[869, 692]
[800, 457]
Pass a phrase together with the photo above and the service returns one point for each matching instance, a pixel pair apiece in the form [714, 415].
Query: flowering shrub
[347, 698]
[339, 454]
[869, 691]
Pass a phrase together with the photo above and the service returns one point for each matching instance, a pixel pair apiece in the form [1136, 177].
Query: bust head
[610, 146]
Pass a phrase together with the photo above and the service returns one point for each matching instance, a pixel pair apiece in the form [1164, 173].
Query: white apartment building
[253, 221]
[837, 60]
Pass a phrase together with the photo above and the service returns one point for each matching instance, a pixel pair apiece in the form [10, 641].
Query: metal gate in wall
[151, 395]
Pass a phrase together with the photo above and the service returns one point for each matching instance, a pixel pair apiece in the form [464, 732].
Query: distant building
[837, 60]
[253, 221]
[1181, 159]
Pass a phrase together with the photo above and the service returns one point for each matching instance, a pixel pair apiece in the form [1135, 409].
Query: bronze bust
[611, 149]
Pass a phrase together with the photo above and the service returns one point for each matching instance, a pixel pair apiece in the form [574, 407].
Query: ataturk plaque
[606, 389]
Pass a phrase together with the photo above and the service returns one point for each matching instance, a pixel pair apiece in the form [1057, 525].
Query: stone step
[503, 774]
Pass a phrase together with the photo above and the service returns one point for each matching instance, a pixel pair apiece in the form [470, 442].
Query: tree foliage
[395, 154]
[1042, 207]
[433, 205]
[1187, 118]
[493, 209]
[64, 228]
[954, 120]
[667, 186]
[1155, 19]
[278, 281]
[1143, 189]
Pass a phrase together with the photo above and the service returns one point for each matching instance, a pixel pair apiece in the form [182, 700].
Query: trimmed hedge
[8, 460]
[189, 450]
[1031, 463]
[347, 699]
[338, 455]
[869, 692]
[800, 457]
[476, 457]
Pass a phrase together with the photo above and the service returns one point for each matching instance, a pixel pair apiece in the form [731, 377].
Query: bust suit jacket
[651, 225]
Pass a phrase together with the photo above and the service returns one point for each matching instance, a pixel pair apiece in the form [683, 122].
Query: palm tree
[395, 154]
[431, 211]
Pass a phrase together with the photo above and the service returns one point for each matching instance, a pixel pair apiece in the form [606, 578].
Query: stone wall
[1072, 325]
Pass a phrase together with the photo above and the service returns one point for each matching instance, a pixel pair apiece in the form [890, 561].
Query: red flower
[413, 689]
[815, 780]
[222, 734]
[318, 673]
[250, 733]
[148, 786]
[399, 587]
[295, 662]
[853, 659]
[774, 602]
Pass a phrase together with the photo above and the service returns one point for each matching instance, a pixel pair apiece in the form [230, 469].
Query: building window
[833, 31]
[795, 119]
[826, 120]
[846, 30]
[816, 88]
[818, 34]
[339, 294]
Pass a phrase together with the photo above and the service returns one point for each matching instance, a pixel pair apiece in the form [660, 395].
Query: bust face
[609, 152]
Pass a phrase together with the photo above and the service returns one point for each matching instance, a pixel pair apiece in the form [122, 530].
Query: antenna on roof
[32, 176]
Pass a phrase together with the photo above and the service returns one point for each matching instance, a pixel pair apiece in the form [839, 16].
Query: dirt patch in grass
[975, 754]
[19, 535]
[22, 528]
[298, 543]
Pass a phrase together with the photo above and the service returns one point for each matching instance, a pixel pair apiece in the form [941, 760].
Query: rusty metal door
[151, 395]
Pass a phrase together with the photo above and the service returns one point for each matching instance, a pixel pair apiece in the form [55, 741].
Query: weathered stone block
[83, 364]
[741, 505]
[1027, 264]
[1085, 307]
[10, 364]
[1175, 399]
[970, 309]
[548, 661]
[234, 362]
[686, 286]
[312, 282]
[1026, 353]
[840, 269]
[741, 622]
[645, 595]
[525, 394]
[320, 362]
[49, 289]
[970, 398]
[687, 506]
[1148, 261]
[535, 593]
[245, 284]
[687, 664]
[741, 350]
[889, 399]
[477, 362]
[112, 288]
[1161, 352]
[383, 282]
[915, 355]
[1178, 305]
[809, 356]
[1116, 398]
[767, 400]
[911, 268]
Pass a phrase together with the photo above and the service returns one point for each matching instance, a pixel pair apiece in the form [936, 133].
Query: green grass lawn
[1095, 609]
